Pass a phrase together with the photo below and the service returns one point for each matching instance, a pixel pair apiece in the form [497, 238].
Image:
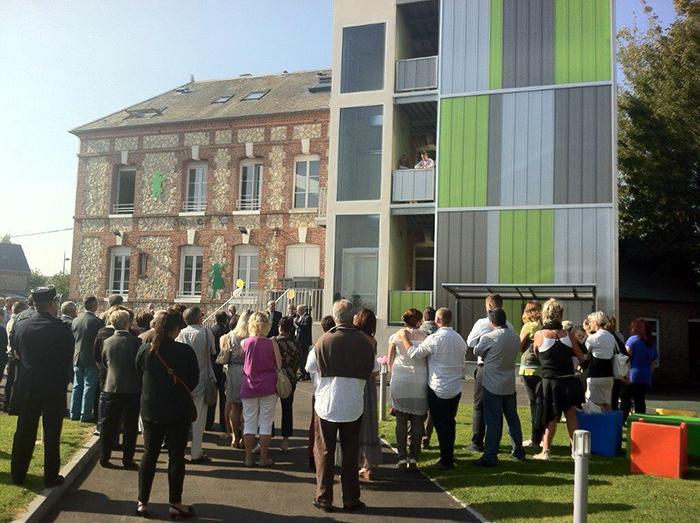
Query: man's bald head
[443, 317]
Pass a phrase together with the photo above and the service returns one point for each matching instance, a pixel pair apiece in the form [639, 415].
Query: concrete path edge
[469, 509]
[47, 498]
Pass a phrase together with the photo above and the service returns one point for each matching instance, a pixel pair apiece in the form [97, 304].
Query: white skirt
[409, 388]
[599, 390]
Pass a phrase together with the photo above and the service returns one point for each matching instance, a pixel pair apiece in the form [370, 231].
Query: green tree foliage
[61, 281]
[659, 147]
[37, 278]
[6, 238]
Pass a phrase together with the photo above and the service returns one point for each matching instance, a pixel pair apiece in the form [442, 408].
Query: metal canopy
[522, 291]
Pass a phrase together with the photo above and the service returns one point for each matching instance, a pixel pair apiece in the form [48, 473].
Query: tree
[37, 279]
[659, 143]
[61, 281]
[6, 238]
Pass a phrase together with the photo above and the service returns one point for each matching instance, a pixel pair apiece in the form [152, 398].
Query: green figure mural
[156, 183]
[216, 280]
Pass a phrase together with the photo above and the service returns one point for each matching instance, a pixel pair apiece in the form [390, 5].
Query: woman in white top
[409, 390]
[601, 347]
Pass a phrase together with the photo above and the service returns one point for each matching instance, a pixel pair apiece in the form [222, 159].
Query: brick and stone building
[14, 271]
[182, 195]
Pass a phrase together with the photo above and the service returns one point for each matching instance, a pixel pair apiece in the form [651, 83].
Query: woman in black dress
[168, 371]
[561, 390]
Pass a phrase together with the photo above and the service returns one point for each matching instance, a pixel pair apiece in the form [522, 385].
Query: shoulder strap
[173, 375]
[278, 356]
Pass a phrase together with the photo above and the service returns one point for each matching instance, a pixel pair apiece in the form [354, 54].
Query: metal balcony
[413, 185]
[416, 74]
[123, 208]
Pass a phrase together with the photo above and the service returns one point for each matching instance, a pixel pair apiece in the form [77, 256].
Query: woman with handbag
[601, 347]
[290, 354]
[259, 387]
[168, 371]
[232, 350]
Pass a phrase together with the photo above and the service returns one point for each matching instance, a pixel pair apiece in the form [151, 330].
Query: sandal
[226, 436]
[176, 512]
[142, 510]
[265, 464]
[248, 462]
[284, 446]
[542, 456]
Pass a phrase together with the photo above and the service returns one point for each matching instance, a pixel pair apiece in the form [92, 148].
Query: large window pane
[363, 59]
[360, 153]
[357, 260]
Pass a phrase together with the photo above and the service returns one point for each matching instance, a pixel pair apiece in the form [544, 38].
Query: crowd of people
[162, 373]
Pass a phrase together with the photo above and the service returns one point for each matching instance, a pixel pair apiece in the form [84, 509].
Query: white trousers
[198, 427]
[258, 414]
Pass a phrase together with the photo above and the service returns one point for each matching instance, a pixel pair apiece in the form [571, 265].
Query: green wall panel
[513, 310]
[401, 301]
[582, 48]
[496, 45]
[463, 155]
[526, 246]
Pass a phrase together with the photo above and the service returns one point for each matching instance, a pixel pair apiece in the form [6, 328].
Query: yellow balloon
[240, 283]
[290, 294]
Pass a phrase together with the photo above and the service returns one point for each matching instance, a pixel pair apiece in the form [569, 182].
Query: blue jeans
[84, 391]
[495, 408]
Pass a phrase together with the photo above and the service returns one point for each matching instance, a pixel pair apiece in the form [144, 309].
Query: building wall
[526, 177]
[159, 229]
[673, 325]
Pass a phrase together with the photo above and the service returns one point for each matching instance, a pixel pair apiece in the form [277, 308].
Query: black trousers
[478, 425]
[615, 399]
[153, 435]
[220, 376]
[444, 412]
[288, 414]
[634, 392]
[117, 405]
[12, 367]
[530, 385]
[302, 363]
[51, 411]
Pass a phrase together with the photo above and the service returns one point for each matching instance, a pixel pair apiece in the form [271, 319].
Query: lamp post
[64, 261]
[582, 449]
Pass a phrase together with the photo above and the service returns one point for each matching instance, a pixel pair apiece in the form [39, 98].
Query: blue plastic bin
[605, 429]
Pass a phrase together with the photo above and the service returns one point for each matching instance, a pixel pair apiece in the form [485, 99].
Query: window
[247, 258]
[423, 264]
[362, 67]
[360, 153]
[251, 187]
[323, 85]
[303, 261]
[306, 183]
[149, 112]
[222, 99]
[119, 274]
[196, 194]
[191, 272]
[143, 264]
[357, 259]
[255, 95]
[655, 327]
[124, 183]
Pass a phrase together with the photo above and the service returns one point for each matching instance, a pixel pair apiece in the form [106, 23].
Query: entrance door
[694, 350]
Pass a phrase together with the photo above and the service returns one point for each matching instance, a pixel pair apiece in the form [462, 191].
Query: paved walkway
[223, 490]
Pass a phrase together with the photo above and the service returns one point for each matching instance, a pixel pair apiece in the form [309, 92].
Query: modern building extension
[515, 102]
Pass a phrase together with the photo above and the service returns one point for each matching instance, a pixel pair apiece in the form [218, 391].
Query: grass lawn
[543, 491]
[14, 498]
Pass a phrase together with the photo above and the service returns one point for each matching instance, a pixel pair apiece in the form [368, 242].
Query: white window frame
[416, 246]
[252, 204]
[116, 206]
[304, 247]
[656, 333]
[196, 202]
[194, 252]
[247, 251]
[123, 287]
[307, 159]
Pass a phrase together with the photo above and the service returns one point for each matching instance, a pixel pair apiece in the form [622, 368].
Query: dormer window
[148, 112]
[223, 99]
[255, 95]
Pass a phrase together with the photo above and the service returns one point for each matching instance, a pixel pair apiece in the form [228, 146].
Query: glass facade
[357, 260]
[363, 58]
[360, 153]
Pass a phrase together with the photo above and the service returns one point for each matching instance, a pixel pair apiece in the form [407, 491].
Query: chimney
[191, 78]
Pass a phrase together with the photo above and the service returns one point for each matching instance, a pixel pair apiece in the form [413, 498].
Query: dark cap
[43, 294]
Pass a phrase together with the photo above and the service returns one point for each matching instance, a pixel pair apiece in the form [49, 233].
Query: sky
[67, 63]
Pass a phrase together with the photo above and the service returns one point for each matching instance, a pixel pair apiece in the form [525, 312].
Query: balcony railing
[248, 204]
[401, 301]
[194, 206]
[123, 208]
[416, 74]
[413, 185]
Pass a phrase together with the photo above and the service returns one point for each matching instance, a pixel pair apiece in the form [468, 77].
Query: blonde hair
[241, 330]
[120, 319]
[552, 311]
[532, 312]
[599, 317]
[259, 324]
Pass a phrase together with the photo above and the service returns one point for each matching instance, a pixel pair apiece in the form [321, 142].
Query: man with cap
[45, 344]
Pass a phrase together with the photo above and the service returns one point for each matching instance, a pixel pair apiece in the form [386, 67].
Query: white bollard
[582, 449]
[382, 391]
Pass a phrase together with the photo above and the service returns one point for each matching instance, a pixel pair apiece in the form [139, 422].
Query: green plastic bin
[692, 423]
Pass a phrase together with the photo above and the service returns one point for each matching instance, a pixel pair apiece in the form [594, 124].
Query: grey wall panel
[583, 145]
[493, 226]
[465, 46]
[528, 43]
[527, 149]
[493, 189]
[583, 250]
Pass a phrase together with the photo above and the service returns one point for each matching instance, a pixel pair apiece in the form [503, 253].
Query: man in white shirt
[344, 359]
[481, 327]
[202, 341]
[445, 350]
[426, 162]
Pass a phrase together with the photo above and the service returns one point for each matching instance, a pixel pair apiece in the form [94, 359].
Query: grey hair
[192, 315]
[68, 307]
[302, 307]
[343, 312]
[271, 302]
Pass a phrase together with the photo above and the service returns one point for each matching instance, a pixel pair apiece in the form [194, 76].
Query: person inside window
[426, 162]
[404, 163]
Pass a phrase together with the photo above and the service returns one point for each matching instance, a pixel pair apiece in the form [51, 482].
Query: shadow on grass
[527, 509]
[32, 482]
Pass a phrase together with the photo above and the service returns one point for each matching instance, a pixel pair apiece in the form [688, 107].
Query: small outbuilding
[14, 271]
